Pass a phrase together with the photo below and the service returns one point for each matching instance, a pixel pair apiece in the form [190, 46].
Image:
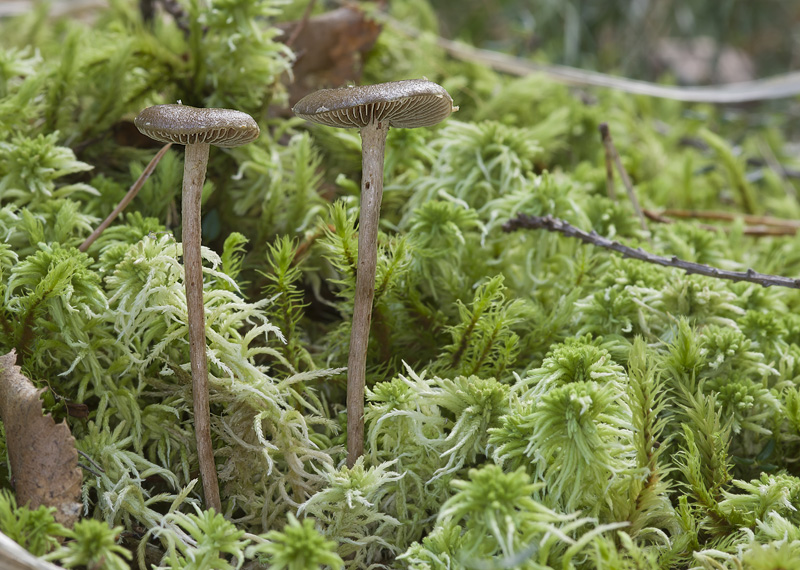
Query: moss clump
[532, 402]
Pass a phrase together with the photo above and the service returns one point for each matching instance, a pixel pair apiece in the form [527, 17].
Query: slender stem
[768, 228]
[611, 149]
[775, 166]
[612, 194]
[731, 216]
[194, 174]
[768, 88]
[132, 192]
[373, 143]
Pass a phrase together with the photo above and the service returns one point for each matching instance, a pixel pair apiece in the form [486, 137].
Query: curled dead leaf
[330, 49]
[43, 456]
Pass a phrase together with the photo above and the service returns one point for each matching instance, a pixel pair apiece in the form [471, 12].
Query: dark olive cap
[405, 104]
[183, 124]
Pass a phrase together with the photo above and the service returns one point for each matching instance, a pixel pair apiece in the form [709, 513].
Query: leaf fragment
[43, 456]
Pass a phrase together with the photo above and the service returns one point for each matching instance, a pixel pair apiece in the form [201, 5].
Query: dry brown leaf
[330, 48]
[44, 460]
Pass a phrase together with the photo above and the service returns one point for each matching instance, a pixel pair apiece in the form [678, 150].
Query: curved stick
[134, 190]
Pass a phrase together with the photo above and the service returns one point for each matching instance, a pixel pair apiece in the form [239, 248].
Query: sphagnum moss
[690, 384]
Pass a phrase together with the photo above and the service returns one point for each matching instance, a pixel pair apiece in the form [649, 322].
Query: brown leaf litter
[43, 456]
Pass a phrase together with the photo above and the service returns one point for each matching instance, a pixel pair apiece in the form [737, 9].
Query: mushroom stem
[194, 174]
[373, 109]
[373, 143]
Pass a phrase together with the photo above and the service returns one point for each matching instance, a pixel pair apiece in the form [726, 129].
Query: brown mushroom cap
[405, 104]
[183, 124]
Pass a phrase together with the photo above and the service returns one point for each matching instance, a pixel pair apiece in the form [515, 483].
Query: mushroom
[197, 129]
[372, 109]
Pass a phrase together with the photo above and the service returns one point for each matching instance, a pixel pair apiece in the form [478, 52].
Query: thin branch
[768, 88]
[147, 9]
[308, 241]
[94, 464]
[605, 133]
[134, 190]
[782, 170]
[89, 469]
[12, 555]
[92, 461]
[612, 194]
[181, 17]
[775, 166]
[549, 223]
[731, 216]
[751, 230]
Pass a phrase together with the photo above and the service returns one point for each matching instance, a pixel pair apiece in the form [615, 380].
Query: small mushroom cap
[405, 104]
[183, 124]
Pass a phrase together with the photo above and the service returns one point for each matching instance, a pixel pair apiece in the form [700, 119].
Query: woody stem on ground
[768, 228]
[194, 174]
[730, 217]
[373, 141]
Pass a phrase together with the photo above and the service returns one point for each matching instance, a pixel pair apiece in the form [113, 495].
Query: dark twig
[766, 231]
[134, 190]
[549, 223]
[181, 17]
[89, 469]
[605, 133]
[147, 8]
[782, 170]
[309, 240]
[612, 194]
[775, 166]
[92, 461]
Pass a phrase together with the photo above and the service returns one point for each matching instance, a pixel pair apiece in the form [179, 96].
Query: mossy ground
[533, 402]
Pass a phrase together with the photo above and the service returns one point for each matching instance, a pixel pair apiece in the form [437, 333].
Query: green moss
[532, 402]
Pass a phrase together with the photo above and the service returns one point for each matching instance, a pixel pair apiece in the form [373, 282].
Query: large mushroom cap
[183, 124]
[406, 104]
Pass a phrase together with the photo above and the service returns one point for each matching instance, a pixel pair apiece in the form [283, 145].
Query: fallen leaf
[43, 456]
[329, 50]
